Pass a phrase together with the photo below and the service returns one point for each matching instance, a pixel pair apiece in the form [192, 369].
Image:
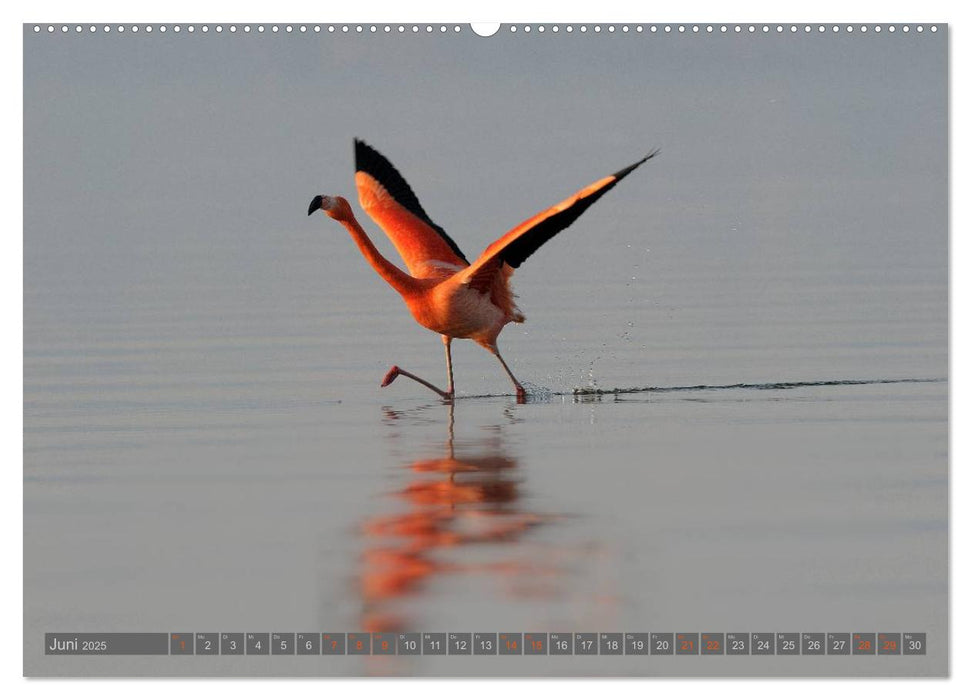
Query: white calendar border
[520, 11]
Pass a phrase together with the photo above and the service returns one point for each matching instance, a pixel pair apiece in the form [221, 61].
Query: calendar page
[512, 350]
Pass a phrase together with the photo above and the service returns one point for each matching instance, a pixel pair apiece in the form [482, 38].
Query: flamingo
[443, 290]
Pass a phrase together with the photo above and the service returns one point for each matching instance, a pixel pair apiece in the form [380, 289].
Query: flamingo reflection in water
[454, 503]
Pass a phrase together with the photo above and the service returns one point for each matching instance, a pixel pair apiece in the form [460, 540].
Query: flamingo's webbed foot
[390, 376]
[520, 394]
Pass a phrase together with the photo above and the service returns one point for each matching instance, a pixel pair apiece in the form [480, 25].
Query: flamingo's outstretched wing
[524, 240]
[388, 199]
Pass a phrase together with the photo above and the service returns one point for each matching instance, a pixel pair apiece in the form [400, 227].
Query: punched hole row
[513, 28]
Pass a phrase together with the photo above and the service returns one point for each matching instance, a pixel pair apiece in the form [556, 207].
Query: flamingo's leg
[396, 370]
[520, 391]
[447, 340]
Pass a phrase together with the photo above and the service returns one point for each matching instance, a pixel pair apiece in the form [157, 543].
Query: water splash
[537, 393]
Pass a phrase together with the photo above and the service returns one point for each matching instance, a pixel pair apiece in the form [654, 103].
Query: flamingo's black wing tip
[364, 153]
[626, 171]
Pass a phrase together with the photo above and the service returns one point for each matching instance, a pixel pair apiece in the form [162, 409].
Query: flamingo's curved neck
[402, 282]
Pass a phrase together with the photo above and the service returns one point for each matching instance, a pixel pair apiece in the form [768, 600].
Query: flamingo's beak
[315, 204]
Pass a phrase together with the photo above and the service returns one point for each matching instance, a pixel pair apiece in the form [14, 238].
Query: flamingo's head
[334, 207]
